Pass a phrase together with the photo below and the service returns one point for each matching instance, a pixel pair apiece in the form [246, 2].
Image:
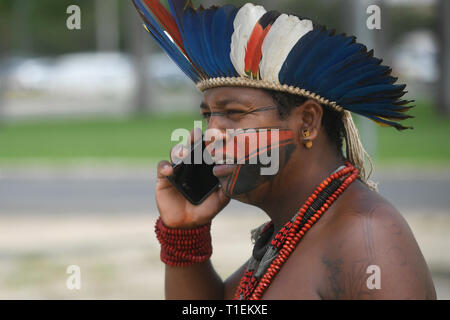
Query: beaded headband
[251, 47]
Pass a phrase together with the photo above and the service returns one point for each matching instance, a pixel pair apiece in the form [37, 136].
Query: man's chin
[244, 197]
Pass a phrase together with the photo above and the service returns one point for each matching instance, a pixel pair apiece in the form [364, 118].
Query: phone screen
[195, 181]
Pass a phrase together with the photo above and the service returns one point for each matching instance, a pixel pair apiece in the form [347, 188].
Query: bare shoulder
[371, 252]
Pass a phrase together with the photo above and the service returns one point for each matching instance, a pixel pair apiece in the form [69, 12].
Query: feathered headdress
[252, 47]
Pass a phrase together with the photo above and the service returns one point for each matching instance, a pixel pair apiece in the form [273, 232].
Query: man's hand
[175, 210]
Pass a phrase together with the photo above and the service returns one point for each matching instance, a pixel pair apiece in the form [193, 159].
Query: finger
[214, 204]
[178, 153]
[218, 199]
[223, 198]
[164, 169]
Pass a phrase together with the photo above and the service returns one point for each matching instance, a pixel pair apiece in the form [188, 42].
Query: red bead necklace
[292, 233]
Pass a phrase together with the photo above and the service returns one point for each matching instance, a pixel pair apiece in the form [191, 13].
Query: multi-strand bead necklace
[260, 272]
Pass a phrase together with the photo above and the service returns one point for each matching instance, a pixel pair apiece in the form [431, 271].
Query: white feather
[244, 23]
[286, 31]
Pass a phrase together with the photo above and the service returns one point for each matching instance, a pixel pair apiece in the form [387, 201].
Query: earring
[307, 142]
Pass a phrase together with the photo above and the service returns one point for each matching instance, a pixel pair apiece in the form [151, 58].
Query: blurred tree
[322, 11]
[107, 25]
[406, 18]
[2, 92]
[39, 27]
[139, 45]
[444, 36]
[22, 35]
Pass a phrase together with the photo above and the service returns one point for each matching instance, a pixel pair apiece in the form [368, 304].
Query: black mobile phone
[196, 182]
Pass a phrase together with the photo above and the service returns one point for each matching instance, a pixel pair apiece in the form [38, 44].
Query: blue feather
[356, 67]
[183, 14]
[191, 44]
[194, 29]
[221, 39]
[177, 9]
[360, 59]
[396, 125]
[217, 30]
[310, 59]
[316, 58]
[352, 80]
[383, 90]
[175, 55]
[205, 19]
[343, 71]
[165, 42]
[330, 77]
[383, 110]
[334, 66]
[287, 72]
[231, 71]
[341, 49]
[373, 98]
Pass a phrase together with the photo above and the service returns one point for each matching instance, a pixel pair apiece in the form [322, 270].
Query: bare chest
[300, 276]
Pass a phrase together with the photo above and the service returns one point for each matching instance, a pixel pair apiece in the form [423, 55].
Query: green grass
[147, 139]
[61, 141]
[427, 143]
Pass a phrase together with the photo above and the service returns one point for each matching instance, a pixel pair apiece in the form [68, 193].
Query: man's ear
[308, 116]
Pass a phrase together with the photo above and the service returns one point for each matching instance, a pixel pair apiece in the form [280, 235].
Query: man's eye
[233, 112]
[206, 115]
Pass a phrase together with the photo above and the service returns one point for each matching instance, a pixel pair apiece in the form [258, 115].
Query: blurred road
[102, 219]
[117, 190]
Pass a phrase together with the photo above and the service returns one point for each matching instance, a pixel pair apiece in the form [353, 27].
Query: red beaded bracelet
[184, 247]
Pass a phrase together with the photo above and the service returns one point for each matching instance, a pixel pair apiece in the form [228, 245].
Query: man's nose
[213, 136]
[216, 132]
[217, 122]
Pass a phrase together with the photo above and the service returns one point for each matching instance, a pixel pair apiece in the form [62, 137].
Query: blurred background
[86, 114]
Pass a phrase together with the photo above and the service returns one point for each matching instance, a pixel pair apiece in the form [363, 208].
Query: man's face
[232, 108]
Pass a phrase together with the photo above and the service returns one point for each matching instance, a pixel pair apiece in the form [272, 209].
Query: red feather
[253, 53]
[167, 21]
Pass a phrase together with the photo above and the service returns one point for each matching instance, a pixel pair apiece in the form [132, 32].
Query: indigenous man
[329, 229]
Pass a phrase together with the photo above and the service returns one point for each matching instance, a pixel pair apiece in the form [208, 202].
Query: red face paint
[258, 155]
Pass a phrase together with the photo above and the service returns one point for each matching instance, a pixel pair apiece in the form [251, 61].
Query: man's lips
[224, 164]
[223, 170]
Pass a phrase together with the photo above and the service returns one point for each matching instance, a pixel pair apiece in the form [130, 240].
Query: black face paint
[249, 171]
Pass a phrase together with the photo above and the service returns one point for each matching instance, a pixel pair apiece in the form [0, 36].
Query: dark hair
[331, 120]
